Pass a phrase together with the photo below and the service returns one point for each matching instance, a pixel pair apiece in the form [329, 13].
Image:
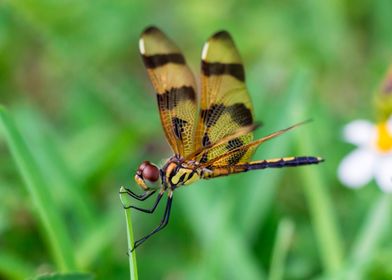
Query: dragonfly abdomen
[261, 164]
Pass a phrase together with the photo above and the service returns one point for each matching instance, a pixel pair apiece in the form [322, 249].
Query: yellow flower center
[384, 137]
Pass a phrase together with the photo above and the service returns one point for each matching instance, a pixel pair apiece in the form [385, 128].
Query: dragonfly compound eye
[150, 172]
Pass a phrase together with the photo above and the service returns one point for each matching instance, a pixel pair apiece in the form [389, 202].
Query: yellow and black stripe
[217, 171]
[175, 87]
[157, 60]
[225, 102]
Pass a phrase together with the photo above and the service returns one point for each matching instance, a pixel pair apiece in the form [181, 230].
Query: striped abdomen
[262, 164]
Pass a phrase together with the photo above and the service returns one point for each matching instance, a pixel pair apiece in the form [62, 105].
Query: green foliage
[68, 276]
[281, 248]
[81, 116]
[49, 216]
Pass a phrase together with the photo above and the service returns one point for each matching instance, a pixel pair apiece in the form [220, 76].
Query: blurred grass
[280, 250]
[13, 267]
[73, 82]
[66, 276]
[322, 213]
[48, 214]
[376, 227]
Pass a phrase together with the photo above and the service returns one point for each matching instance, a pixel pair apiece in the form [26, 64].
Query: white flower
[372, 158]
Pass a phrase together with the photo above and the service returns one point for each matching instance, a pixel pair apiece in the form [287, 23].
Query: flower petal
[357, 168]
[360, 132]
[383, 173]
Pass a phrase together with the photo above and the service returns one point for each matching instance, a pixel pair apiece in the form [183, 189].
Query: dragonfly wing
[175, 87]
[225, 102]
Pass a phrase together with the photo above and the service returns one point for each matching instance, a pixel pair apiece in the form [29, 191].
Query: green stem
[281, 248]
[132, 255]
[48, 213]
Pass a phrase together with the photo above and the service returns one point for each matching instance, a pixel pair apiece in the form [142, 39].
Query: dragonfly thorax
[176, 174]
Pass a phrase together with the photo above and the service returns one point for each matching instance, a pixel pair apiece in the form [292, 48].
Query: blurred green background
[76, 91]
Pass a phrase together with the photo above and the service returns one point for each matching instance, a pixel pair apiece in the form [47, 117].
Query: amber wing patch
[225, 102]
[175, 87]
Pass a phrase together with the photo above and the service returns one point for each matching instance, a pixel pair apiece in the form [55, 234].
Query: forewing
[225, 102]
[175, 87]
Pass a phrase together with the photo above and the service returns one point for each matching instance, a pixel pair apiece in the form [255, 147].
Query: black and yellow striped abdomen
[261, 164]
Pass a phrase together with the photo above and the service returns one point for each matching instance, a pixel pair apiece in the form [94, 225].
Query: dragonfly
[210, 132]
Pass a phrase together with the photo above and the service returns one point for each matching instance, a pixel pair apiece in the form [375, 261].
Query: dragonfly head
[147, 173]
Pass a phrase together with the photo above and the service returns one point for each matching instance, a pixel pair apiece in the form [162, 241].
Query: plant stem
[132, 255]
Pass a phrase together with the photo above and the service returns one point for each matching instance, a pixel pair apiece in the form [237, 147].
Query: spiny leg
[162, 224]
[140, 197]
[148, 210]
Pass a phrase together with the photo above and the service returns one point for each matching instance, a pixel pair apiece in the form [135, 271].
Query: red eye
[143, 165]
[150, 172]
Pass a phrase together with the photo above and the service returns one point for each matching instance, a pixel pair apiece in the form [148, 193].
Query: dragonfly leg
[152, 209]
[162, 224]
[140, 197]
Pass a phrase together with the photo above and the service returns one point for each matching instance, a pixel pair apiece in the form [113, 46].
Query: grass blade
[98, 239]
[221, 243]
[281, 247]
[261, 198]
[132, 255]
[49, 215]
[375, 228]
[321, 210]
[319, 200]
[52, 160]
